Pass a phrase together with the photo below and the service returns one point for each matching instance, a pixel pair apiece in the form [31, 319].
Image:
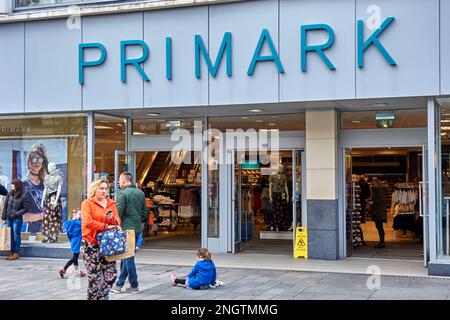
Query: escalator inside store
[384, 185]
[172, 187]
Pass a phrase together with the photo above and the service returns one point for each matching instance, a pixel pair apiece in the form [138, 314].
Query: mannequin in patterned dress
[51, 202]
[279, 198]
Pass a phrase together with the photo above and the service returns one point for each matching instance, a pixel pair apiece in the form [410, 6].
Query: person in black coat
[16, 205]
[379, 212]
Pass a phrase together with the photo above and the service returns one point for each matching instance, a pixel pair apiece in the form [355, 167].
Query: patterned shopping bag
[130, 248]
[5, 238]
[112, 242]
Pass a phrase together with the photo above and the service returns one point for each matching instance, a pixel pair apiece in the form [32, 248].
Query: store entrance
[172, 186]
[384, 202]
[267, 202]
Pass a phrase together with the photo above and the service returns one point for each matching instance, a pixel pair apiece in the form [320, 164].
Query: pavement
[37, 278]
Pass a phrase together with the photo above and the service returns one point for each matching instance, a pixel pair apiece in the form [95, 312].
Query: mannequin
[279, 198]
[4, 180]
[51, 202]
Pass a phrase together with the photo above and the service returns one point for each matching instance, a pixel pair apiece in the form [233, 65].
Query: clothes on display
[279, 210]
[279, 194]
[265, 204]
[354, 215]
[170, 213]
[404, 207]
[52, 204]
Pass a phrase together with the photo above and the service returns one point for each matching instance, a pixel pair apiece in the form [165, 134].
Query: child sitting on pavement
[202, 276]
[73, 230]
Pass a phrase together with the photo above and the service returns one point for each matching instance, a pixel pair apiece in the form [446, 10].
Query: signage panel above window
[22, 4]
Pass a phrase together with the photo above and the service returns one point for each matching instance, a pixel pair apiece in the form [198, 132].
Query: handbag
[5, 238]
[130, 248]
[112, 242]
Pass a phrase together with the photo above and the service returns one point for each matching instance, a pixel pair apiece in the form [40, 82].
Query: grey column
[321, 189]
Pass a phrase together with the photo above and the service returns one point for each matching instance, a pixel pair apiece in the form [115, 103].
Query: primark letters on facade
[226, 49]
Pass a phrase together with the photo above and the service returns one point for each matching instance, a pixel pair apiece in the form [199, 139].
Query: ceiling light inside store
[154, 114]
[119, 124]
[103, 128]
[138, 133]
[161, 120]
[380, 105]
[172, 124]
[272, 124]
[245, 118]
[356, 121]
[259, 121]
[445, 121]
[385, 116]
[255, 110]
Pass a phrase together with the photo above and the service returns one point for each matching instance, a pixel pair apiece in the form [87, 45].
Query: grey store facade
[325, 90]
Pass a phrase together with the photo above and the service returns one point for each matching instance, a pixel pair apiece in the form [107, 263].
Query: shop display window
[34, 148]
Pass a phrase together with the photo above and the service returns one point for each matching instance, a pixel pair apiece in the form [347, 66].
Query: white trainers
[116, 289]
[131, 290]
[173, 276]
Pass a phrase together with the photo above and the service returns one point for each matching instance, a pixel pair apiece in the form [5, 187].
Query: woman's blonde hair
[94, 186]
[203, 253]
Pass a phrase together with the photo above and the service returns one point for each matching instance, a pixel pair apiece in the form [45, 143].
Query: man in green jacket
[133, 212]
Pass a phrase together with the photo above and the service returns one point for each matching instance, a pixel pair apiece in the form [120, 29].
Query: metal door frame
[234, 245]
[342, 200]
[117, 154]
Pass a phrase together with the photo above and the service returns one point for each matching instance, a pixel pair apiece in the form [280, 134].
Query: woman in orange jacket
[98, 213]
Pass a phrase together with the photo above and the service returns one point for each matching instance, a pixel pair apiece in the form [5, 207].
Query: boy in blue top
[73, 230]
[202, 275]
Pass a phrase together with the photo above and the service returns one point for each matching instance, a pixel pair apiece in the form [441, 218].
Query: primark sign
[364, 41]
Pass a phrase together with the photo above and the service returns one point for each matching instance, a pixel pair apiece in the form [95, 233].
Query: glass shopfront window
[143, 127]
[51, 3]
[443, 178]
[34, 148]
[214, 188]
[110, 133]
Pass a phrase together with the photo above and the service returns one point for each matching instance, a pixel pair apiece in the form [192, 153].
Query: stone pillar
[322, 182]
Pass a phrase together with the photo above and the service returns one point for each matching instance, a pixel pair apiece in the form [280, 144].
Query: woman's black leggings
[379, 225]
[73, 260]
[180, 281]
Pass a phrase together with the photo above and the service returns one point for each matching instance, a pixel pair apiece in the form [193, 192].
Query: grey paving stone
[409, 294]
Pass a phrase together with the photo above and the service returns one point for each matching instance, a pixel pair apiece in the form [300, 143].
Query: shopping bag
[130, 248]
[112, 242]
[5, 238]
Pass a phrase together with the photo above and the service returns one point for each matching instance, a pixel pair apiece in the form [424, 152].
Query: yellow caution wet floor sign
[301, 243]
